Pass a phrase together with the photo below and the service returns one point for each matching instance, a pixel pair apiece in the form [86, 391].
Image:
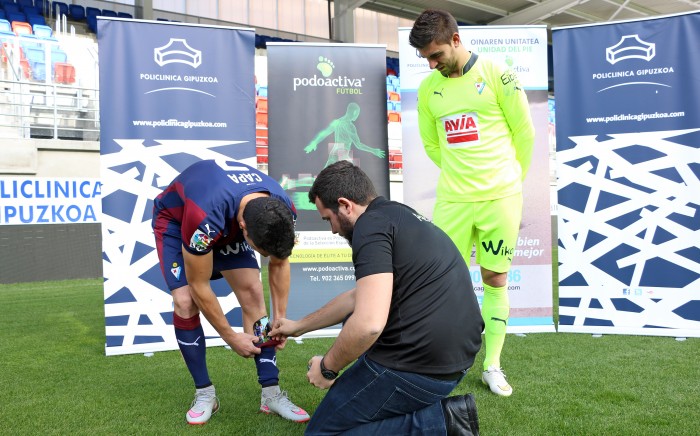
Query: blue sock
[190, 339]
[266, 364]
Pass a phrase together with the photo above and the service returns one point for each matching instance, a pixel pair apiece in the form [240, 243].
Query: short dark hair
[270, 225]
[342, 179]
[432, 25]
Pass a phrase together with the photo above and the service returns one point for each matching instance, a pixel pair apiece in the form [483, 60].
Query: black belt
[453, 376]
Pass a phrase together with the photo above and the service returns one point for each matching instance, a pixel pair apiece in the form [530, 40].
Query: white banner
[524, 50]
[49, 200]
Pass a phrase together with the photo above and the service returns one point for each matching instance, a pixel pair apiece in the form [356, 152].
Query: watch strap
[327, 373]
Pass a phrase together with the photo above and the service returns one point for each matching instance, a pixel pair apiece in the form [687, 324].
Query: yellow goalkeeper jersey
[477, 128]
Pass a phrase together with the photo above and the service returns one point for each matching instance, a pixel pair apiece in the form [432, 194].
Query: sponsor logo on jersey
[462, 129]
[499, 249]
[238, 247]
[209, 230]
[200, 241]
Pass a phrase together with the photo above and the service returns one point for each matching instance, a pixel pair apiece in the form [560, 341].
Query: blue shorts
[233, 256]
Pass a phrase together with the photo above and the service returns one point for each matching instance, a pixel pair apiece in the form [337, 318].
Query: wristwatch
[328, 374]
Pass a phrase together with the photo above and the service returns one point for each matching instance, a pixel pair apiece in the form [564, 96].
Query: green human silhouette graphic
[345, 136]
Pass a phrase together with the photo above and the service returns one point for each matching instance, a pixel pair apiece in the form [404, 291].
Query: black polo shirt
[434, 324]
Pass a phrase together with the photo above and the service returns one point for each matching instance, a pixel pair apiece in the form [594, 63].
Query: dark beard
[346, 228]
[349, 238]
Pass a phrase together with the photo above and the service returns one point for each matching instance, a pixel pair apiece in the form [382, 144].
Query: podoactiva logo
[326, 67]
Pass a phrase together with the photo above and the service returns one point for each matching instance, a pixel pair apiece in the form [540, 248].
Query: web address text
[634, 117]
[177, 123]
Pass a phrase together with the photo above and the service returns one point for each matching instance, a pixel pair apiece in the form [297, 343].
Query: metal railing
[53, 111]
[35, 102]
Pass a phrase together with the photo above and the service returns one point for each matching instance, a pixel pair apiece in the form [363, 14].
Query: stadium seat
[43, 31]
[64, 73]
[59, 8]
[11, 7]
[261, 106]
[6, 50]
[262, 91]
[30, 9]
[92, 22]
[108, 13]
[26, 69]
[76, 12]
[89, 10]
[58, 55]
[34, 54]
[36, 19]
[395, 160]
[22, 28]
[393, 96]
[261, 137]
[261, 119]
[124, 15]
[394, 117]
[261, 152]
[6, 28]
[38, 71]
[16, 16]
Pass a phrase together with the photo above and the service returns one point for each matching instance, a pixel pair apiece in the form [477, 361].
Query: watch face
[328, 374]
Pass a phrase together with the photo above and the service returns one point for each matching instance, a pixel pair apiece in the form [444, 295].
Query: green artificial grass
[57, 380]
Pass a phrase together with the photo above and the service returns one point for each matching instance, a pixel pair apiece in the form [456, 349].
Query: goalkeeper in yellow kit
[475, 124]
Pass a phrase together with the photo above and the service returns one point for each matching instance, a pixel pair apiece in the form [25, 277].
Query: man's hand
[283, 328]
[243, 344]
[311, 147]
[314, 374]
[281, 345]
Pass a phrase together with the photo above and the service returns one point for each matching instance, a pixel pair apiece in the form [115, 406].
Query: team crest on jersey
[462, 129]
[200, 241]
[479, 85]
[176, 270]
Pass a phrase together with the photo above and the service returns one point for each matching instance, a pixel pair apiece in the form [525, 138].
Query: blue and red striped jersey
[201, 204]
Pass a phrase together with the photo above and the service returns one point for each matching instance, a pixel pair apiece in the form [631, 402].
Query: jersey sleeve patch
[202, 240]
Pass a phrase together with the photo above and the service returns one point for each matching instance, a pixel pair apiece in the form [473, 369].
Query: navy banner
[628, 132]
[327, 102]
[170, 95]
